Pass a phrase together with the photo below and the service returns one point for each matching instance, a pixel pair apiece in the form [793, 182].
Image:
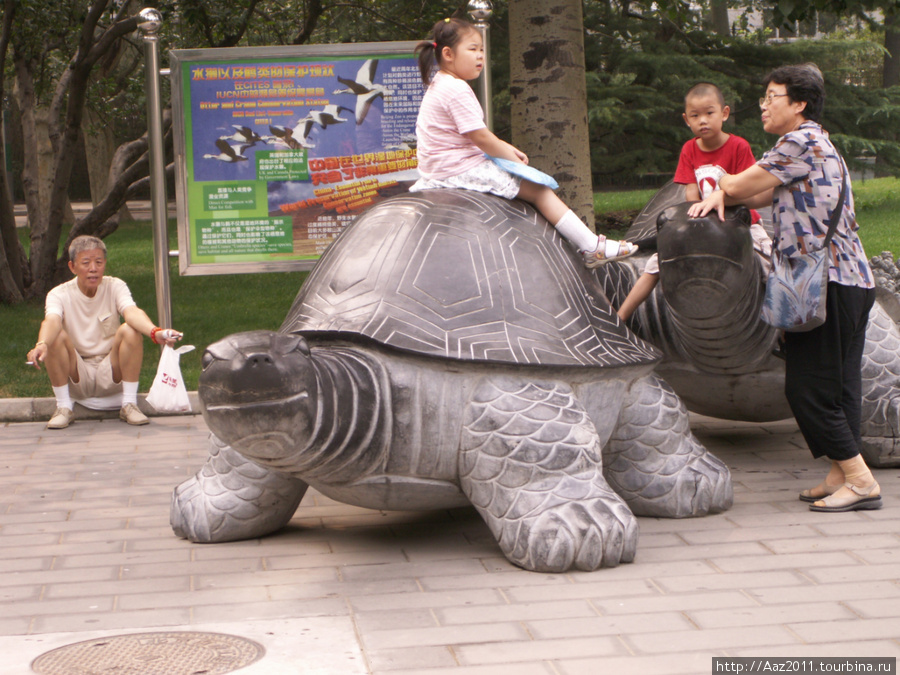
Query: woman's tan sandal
[608, 250]
[818, 493]
[860, 499]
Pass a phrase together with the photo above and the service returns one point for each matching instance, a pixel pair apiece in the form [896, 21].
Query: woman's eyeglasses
[767, 101]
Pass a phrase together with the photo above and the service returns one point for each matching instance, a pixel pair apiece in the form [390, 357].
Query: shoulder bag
[797, 285]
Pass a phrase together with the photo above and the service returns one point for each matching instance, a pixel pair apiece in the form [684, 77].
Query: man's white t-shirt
[449, 109]
[90, 322]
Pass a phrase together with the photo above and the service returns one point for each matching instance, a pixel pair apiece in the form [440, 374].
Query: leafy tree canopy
[643, 57]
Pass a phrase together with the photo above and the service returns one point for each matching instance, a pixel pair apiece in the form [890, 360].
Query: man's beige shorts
[95, 378]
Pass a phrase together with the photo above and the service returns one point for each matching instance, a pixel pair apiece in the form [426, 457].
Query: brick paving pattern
[86, 550]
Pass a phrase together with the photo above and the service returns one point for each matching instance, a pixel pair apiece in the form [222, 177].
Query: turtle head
[259, 393]
[712, 282]
[706, 265]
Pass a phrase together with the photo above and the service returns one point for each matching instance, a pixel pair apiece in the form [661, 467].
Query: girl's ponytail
[426, 51]
[445, 33]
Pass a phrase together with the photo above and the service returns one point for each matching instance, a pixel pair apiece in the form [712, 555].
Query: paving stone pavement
[86, 551]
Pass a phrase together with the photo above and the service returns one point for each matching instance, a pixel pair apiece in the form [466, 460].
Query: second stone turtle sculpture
[719, 356]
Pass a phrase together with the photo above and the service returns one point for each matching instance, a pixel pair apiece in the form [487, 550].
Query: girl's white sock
[576, 232]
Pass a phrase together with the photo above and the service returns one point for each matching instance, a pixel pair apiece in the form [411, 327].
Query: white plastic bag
[168, 393]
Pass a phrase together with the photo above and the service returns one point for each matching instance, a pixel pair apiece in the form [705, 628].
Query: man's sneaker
[131, 414]
[61, 418]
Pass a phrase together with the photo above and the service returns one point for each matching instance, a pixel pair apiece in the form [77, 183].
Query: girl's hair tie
[434, 44]
[447, 20]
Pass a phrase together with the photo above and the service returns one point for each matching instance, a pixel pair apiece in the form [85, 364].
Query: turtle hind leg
[530, 464]
[656, 464]
[880, 413]
[232, 498]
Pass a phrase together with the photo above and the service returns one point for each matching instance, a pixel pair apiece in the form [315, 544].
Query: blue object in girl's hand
[525, 171]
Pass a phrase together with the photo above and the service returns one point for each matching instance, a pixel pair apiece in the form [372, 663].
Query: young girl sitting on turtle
[453, 140]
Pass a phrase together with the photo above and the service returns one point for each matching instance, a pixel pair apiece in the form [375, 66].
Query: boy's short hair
[802, 83]
[705, 89]
[85, 243]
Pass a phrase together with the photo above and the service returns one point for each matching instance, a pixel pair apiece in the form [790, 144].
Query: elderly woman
[801, 178]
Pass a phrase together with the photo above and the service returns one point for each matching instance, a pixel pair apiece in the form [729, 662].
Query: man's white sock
[63, 400]
[129, 392]
[576, 232]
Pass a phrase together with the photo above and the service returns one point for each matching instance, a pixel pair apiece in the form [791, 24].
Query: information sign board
[277, 149]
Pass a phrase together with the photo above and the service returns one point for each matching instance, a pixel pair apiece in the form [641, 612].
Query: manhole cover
[151, 654]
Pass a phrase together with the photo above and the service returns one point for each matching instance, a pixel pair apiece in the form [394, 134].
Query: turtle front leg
[655, 463]
[232, 498]
[530, 463]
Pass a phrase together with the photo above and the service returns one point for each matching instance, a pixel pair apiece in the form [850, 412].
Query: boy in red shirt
[704, 159]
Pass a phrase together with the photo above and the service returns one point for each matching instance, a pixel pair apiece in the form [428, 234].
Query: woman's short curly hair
[803, 83]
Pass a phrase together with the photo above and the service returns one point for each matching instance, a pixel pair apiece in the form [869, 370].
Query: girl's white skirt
[486, 177]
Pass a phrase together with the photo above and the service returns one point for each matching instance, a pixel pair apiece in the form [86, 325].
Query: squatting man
[87, 353]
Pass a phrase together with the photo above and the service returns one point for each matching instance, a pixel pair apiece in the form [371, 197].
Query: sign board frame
[276, 150]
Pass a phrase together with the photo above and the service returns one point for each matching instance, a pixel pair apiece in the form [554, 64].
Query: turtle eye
[207, 360]
[285, 344]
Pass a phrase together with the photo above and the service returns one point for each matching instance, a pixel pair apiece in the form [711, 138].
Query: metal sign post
[151, 20]
[480, 11]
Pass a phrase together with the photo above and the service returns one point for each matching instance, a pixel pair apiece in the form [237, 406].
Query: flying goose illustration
[328, 116]
[364, 89]
[244, 135]
[292, 138]
[228, 153]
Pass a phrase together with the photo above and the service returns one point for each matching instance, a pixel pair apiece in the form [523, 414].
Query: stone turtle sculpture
[704, 316]
[450, 349]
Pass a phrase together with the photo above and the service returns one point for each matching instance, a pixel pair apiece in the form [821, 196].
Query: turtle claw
[700, 488]
[187, 516]
[580, 535]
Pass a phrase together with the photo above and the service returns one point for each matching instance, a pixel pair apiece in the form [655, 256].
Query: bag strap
[839, 209]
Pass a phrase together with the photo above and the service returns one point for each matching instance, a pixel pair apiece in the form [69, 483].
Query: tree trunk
[100, 146]
[11, 282]
[549, 95]
[46, 161]
[25, 98]
[891, 73]
[718, 15]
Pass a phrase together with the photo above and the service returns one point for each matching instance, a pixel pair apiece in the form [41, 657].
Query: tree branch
[314, 12]
[11, 282]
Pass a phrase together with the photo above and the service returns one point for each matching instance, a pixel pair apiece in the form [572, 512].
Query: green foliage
[218, 23]
[786, 12]
[640, 63]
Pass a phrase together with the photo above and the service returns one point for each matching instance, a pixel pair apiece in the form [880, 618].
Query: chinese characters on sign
[280, 152]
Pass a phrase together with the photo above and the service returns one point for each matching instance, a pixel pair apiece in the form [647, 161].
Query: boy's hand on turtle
[714, 202]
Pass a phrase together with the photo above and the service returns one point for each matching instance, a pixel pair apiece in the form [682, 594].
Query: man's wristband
[39, 343]
[153, 332]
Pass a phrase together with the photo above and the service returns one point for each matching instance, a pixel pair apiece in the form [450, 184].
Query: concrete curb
[41, 409]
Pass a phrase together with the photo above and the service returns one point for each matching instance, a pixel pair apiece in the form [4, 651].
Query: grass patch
[877, 203]
[207, 308]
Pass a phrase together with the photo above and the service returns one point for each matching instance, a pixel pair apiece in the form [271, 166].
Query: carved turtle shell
[461, 275]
